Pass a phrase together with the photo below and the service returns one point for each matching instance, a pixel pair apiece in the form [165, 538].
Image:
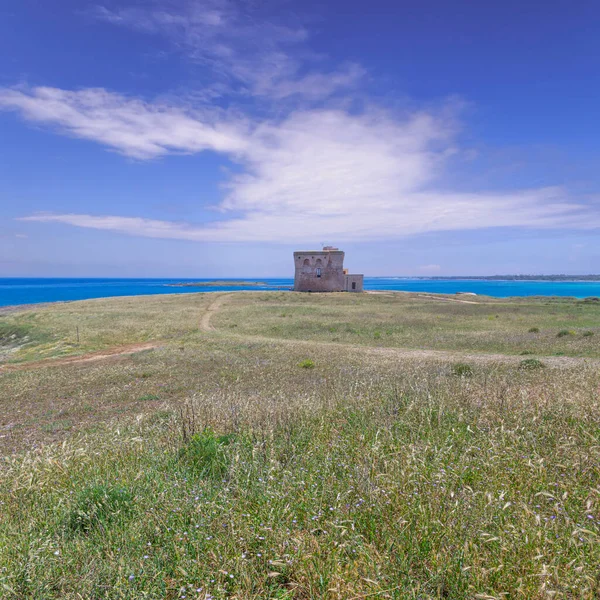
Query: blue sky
[204, 138]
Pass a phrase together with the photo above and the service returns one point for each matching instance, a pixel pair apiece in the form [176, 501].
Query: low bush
[564, 333]
[13, 334]
[462, 370]
[526, 353]
[96, 506]
[307, 364]
[534, 330]
[205, 454]
[531, 364]
[587, 334]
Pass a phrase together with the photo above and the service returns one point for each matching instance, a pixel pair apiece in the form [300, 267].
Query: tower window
[318, 272]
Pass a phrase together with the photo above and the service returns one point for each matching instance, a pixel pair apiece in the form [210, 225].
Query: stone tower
[323, 271]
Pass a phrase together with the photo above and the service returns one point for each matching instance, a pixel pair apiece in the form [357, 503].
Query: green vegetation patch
[205, 454]
[96, 506]
[462, 370]
[13, 334]
[531, 364]
[307, 363]
[565, 333]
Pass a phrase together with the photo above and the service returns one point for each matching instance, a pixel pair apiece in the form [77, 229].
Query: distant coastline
[573, 278]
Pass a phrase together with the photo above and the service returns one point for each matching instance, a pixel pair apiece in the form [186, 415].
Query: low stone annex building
[323, 271]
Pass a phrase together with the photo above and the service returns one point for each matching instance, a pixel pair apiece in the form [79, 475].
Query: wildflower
[131, 577]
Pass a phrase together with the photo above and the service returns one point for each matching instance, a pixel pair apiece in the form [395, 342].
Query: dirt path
[212, 308]
[422, 354]
[85, 358]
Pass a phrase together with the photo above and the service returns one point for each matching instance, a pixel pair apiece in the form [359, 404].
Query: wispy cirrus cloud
[541, 209]
[266, 58]
[128, 125]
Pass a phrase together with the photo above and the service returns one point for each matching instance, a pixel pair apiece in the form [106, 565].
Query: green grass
[228, 469]
[409, 321]
[53, 331]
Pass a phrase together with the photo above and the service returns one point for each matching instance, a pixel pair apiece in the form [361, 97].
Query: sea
[18, 291]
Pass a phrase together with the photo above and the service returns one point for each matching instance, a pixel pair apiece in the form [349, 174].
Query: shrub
[205, 455]
[526, 352]
[377, 335]
[96, 506]
[587, 334]
[564, 332]
[13, 334]
[148, 398]
[462, 370]
[534, 330]
[531, 364]
[307, 364]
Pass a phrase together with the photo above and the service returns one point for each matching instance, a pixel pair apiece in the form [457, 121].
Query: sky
[212, 138]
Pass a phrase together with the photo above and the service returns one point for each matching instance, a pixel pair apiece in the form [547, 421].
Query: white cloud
[239, 44]
[312, 175]
[305, 175]
[418, 214]
[128, 125]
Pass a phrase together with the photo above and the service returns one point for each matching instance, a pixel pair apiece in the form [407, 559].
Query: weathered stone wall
[319, 271]
[354, 283]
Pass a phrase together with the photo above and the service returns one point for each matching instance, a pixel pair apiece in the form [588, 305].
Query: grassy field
[538, 326]
[243, 462]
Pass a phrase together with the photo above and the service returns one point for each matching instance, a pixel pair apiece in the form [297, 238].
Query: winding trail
[212, 308]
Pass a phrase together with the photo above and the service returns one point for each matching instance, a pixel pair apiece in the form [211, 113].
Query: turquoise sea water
[14, 291]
